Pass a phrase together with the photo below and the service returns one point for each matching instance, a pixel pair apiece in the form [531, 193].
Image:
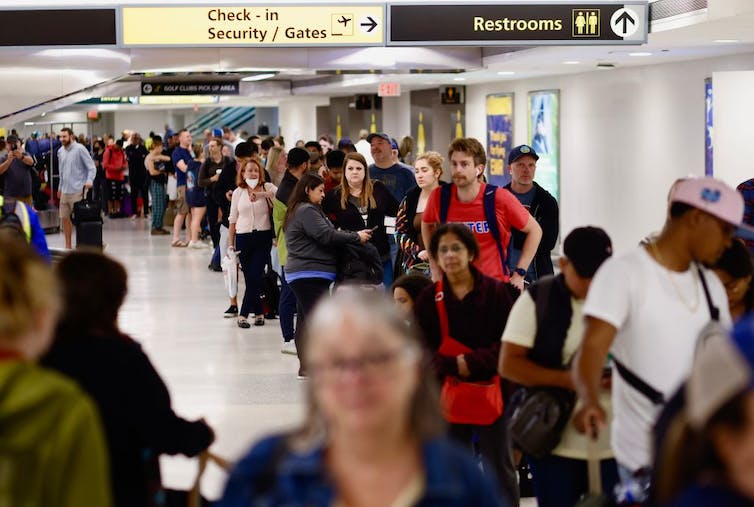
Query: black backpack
[359, 263]
[10, 221]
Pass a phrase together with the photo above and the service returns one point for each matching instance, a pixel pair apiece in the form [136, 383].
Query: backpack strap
[489, 213]
[714, 311]
[637, 383]
[444, 202]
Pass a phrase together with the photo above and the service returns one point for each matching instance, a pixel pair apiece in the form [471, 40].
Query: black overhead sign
[189, 88]
[58, 27]
[523, 23]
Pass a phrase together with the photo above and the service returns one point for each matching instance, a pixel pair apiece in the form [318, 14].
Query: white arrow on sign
[624, 22]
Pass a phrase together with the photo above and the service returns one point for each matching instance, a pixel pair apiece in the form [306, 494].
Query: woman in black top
[359, 203]
[133, 401]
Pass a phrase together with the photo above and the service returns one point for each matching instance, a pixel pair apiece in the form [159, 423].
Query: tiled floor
[236, 379]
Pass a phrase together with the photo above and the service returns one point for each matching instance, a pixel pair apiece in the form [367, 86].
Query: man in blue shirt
[181, 158]
[77, 171]
[397, 177]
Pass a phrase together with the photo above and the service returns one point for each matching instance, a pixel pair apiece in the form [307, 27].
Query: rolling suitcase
[89, 234]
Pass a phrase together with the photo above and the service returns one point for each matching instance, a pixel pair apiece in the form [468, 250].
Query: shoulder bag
[478, 403]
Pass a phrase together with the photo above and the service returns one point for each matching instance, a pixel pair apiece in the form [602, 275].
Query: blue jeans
[286, 307]
[560, 482]
[253, 249]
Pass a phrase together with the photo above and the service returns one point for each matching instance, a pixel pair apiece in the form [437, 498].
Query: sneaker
[301, 374]
[197, 245]
[155, 232]
[289, 347]
[215, 267]
[259, 320]
[243, 323]
[231, 312]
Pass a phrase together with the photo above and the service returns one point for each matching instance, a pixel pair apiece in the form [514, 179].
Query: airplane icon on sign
[344, 21]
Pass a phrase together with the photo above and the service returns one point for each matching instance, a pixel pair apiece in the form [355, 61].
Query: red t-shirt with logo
[509, 211]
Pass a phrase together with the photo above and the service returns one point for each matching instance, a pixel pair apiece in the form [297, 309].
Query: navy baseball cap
[380, 135]
[393, 143]
[217, 132]
[345, 143]
[520, 151]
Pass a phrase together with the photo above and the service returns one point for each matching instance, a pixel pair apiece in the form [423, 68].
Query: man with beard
[470, 201]
[77, 171]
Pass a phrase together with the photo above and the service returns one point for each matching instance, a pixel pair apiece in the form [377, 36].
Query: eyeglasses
[371, 365]
[455, 248]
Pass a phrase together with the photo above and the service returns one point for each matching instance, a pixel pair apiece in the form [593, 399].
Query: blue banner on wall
[499, 110]
[708, 127]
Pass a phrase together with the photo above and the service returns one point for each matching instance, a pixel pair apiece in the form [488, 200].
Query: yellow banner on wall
[254, 25]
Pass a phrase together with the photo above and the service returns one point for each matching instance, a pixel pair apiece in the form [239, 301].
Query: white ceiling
[33, 76]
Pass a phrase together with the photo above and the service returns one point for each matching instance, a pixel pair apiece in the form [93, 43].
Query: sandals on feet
[178, 243]
[243, 323]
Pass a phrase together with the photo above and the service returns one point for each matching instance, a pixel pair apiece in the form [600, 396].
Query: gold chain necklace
[691, 307]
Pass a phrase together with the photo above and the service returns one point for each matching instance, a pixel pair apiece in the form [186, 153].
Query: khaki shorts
[66, 203]
[181, 206]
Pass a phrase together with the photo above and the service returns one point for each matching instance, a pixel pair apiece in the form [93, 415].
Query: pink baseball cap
[715, 197]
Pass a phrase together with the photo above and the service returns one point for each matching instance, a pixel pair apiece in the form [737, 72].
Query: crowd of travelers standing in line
[482, 344]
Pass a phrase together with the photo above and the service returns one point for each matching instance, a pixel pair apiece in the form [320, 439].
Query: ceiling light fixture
[640, 53]
[726, 41]
[505, 73]
[459, 79]
[258, 77]
[571, 62]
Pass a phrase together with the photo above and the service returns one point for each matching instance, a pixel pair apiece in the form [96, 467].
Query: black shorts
[114, 190]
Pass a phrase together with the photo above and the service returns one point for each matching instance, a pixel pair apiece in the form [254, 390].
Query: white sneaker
[289, 348]
[198, 245]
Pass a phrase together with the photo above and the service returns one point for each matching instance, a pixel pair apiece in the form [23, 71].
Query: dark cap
[519, 151]
[393, 143]
[170, 133]
[12, 139]
[296, 157]
[245, 150]
[335, 158]
[345, 143]
[380, 135]
[587, 248]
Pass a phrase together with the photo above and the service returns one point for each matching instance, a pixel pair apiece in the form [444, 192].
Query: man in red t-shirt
[467, 163]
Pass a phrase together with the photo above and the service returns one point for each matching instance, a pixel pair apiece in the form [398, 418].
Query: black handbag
[86, 210]
[538, 417]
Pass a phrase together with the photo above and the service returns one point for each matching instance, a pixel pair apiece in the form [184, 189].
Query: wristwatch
[520, 271]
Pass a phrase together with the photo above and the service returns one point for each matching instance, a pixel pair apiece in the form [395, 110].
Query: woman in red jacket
[115, 164]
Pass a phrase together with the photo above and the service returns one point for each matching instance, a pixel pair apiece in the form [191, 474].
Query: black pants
[308, 292]
[493, 443]
[214, 222]
[139, 188]
[253, 249]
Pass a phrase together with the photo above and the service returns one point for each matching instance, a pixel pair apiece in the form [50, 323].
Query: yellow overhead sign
[254, 25]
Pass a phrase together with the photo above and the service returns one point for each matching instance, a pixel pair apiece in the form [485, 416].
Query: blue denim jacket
[453, 479]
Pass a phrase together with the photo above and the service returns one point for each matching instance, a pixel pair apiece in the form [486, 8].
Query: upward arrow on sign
[625, 18]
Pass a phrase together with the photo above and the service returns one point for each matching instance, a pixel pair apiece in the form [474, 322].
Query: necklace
[693, 306]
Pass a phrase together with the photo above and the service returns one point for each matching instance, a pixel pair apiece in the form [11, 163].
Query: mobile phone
[374, 228]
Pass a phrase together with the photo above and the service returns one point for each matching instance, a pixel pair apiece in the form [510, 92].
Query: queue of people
[434, 398]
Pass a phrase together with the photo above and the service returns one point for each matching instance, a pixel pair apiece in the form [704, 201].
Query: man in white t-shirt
[647, 308]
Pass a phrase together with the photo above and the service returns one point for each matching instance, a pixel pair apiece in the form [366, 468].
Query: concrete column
[396, 115]
[298, 118]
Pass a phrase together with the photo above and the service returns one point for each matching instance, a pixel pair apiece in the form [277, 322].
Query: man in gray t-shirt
[16, 167]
